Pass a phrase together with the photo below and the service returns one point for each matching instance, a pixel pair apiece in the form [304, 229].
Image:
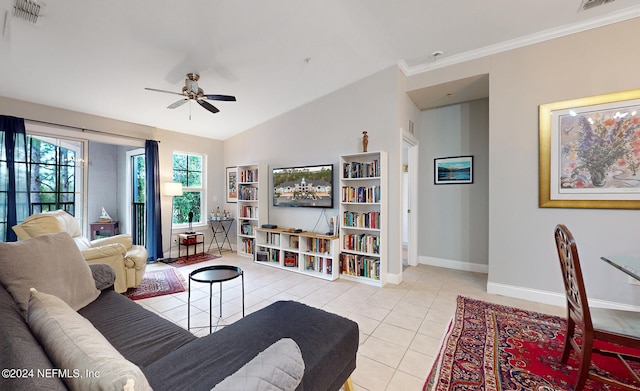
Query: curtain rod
[89, 130]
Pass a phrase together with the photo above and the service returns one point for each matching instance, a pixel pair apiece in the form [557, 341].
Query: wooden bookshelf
[363, 217]
[309, 253]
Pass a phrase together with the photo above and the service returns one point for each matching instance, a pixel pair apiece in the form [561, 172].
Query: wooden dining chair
[615, 326]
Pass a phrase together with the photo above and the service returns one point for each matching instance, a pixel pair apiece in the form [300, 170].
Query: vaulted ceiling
[273, 55]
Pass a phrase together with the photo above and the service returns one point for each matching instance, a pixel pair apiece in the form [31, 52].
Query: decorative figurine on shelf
[365, 141]
[190, 231]
[104, 217]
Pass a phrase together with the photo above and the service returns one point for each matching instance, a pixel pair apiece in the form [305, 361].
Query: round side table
[211, 274]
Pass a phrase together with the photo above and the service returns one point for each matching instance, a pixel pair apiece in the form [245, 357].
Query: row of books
[247, 245]
[359, 265]
[268, 255]
[364, 243]
[361, 170]
[290, 259]
[248, 193]
[318, 264]
[361, 219]
[248, 175]
[247, 229]
[272, 238]
[317, 245]
[369, 194]
[249, 212]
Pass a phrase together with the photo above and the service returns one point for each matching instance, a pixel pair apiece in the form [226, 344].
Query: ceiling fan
[191, 91]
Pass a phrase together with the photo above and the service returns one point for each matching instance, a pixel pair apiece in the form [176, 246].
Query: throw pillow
[86, 360]
[50, 263]
[278, 367]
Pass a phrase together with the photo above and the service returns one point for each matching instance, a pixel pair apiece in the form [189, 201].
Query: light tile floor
[401, 326]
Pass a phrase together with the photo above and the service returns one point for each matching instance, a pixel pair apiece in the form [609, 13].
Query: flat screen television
[303, 186]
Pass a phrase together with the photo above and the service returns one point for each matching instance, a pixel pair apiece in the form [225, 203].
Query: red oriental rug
[195, 258]
[157, 283]
[492, 347]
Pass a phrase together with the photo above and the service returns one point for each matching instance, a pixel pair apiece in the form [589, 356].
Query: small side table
[103, 230]
[219, 227]
[211, 274]
[191, 239]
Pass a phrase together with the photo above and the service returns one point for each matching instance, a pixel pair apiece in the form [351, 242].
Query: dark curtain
[14, 180]
[153, 213]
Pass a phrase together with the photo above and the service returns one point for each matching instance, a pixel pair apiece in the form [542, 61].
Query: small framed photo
[453, 170]
[232, 184]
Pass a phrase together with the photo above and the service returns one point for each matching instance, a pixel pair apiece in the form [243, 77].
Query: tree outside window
[53, 165]
[188, 170]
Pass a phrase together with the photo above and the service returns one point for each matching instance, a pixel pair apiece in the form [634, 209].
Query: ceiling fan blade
[227, 98]
[168, 92]
[177, 104]
[208, 106]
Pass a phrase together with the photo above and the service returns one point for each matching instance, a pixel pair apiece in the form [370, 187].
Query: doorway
[409, 199]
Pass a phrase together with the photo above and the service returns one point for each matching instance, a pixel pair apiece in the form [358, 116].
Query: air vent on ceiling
[28, 10]
[588, 4]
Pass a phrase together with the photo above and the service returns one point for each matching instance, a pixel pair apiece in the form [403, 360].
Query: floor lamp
[173, 189]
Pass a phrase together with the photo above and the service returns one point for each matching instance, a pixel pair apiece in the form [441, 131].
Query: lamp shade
[172, 189]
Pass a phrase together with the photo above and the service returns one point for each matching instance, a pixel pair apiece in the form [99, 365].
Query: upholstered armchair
[128, 260]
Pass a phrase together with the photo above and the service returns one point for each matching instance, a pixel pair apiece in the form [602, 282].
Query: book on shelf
[361, 194]
[360, 266]
[361, 170]
[249, 175]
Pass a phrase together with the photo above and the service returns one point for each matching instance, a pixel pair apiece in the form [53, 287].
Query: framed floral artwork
[590, 152]
[232, 184]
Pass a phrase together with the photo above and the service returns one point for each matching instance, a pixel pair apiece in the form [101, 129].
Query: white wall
[103, 186]
[321, 131]
[453, 218]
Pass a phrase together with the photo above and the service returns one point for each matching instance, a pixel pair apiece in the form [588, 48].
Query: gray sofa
[170, 357]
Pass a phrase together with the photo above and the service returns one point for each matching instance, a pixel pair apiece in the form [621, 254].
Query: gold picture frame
[589, 152]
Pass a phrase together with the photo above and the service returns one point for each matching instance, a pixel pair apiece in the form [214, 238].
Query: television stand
[311, 253]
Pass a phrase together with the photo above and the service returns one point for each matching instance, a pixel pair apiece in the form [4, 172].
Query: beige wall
[522, 258]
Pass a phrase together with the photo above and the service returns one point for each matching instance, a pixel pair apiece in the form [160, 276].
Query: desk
[627, 263]
[209, 275]
[219, 227]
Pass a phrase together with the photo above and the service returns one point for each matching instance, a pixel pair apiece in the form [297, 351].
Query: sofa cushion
[140, 335]
[20, 350]
[278, 367]
[51, 264]
[86, 358]
[328, 343]
[46, 223]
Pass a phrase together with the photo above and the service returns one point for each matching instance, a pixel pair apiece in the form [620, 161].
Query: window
[55, 168]
[188, 169]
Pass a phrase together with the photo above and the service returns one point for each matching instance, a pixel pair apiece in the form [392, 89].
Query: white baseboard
[518, 292]
[547, 297]
[453, 264]
[393, 278]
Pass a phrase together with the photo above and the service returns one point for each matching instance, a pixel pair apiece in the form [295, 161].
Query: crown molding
[531, 39]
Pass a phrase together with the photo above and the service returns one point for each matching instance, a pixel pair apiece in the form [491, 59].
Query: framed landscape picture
[232, 184]
[453, 170]
[590, 152]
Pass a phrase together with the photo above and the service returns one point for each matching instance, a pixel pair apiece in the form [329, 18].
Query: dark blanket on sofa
[328, 343]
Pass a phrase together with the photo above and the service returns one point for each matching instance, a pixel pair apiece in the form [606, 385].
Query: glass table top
[627, 263]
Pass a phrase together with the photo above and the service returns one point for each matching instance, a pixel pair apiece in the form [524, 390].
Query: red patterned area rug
[196, 258]
[492, 347]
[157, 283]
